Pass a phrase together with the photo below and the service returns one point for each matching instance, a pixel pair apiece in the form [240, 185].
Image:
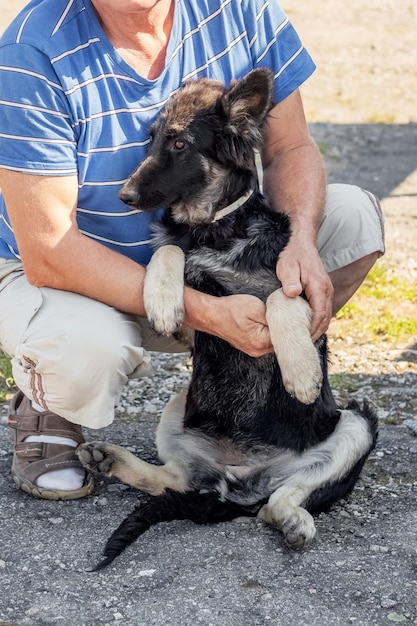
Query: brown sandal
[32, 459]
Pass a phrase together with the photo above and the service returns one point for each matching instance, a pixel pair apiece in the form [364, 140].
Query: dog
[253, 436]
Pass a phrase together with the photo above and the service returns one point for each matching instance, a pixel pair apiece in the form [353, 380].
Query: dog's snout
[129, 195]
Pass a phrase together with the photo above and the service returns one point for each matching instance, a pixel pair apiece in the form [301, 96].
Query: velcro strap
[25, 422]
[46, 423]
[34, 459]
[41, 450]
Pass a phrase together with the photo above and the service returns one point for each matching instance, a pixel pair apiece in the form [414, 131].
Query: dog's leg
[163, 289]
[283, 511]
[171, 425]
[289, 325]
[112, 460]
[322, 466]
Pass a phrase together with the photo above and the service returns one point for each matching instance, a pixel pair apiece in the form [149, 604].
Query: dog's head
[203, 139]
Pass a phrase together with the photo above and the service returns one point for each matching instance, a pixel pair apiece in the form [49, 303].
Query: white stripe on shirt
[58, 142]
[133, 244]
[31, 107]
[19, 70]
[273, 41]
[63, 16]
[76, 49]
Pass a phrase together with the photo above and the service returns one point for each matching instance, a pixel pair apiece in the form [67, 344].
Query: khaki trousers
[73, 355]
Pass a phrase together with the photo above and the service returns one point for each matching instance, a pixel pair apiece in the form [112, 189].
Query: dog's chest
[241, 262]
[234, 255]
[220, 272]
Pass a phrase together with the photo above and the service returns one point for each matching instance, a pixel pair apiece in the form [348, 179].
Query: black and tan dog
[259, 436]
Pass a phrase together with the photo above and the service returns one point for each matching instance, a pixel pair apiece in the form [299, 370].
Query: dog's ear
[245, 107]
[248, 100]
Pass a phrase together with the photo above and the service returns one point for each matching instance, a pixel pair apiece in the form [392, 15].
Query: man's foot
[44, 461]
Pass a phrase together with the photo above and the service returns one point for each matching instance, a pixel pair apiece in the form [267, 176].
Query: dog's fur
[258, 436]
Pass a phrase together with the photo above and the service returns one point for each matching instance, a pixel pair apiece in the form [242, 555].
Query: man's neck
[141, 37]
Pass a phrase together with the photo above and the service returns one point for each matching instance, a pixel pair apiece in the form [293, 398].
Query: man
[81, 83]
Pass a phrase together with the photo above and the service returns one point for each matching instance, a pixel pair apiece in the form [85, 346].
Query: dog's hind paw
[298, 528]
[296, 524]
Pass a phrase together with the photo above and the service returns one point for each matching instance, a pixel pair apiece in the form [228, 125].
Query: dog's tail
[201, 508]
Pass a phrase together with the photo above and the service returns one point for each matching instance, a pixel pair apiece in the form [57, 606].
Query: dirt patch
[366, 59]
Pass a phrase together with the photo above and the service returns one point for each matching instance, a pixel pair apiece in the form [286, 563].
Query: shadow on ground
[377, 157]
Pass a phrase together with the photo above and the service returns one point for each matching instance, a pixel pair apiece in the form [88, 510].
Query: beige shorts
[73, 355]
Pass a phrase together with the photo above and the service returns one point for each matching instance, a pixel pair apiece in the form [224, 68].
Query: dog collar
[240, 201]
[232, 207]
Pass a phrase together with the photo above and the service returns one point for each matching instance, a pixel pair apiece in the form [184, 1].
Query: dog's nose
[129, 196]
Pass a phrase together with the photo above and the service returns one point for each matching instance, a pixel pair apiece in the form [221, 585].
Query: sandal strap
[44, 423]
[25, 421]
[45, 457]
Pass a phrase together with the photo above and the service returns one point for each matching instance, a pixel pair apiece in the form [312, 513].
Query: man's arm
[56, 254]
[296, 185]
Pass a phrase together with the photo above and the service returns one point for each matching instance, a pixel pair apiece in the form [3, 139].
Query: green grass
[325, 147]
[382, 284]
[6, 378]
[383, 308]
[344, 382]
[382, 118]
[389, 326]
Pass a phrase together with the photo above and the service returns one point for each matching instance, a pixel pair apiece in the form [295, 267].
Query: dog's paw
[300, 366]
[299, 361]
[96, 457]
[163, 292]
[301, 372]
[166, 317]
[295, 523]
[298, 528]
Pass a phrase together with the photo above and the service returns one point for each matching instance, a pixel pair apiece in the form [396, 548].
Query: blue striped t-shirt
[70, 105]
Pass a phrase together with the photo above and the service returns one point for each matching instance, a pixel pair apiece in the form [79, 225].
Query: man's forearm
[295, 183]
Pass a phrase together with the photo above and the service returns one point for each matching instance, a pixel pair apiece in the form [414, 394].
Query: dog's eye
[179, 144]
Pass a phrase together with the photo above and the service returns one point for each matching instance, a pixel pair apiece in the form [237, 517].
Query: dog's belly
[235, 395]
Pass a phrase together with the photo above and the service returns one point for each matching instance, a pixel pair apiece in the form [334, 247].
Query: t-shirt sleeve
[36, 134]
[275, 44]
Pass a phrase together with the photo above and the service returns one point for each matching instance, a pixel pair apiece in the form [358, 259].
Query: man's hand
[244, 325]
[239, 319]
[299, 269]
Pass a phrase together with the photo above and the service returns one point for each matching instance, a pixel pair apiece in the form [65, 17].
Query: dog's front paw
[301, 372]
[96, 457]
[299, 361]
[163, 292]
[166, 317]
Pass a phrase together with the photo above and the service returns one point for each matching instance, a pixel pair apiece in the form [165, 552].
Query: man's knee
[352, 227]
[348, 279]
[77, 363]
